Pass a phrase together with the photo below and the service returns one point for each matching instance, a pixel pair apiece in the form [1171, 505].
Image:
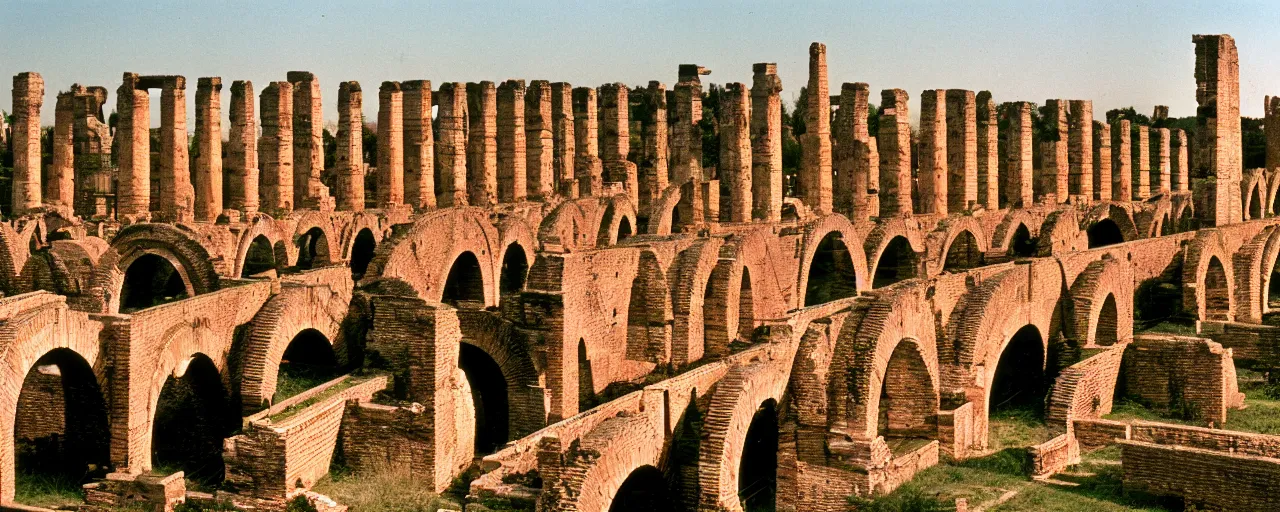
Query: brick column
[1080, 149]
[1017, 174]
[1054, 163]
[815, 167]
[588, 169]
[766, 142]
[894, 141]
[28, 97]
[133, 134]
[735, 153]
[177, 197]
[1141, 166]
[1121, 161]
[348, 158]
[451, 146]
[1160, 173]
[988, 151]
[275, 149]
[1179, 163]
[686, 136]
[962, 150]
[1101, 161]
[932, 175]
[564, 141]
[59, 188]
[94, 174]
[1271, 131]
[652, 116]
[512, 159]
[482, 144]
[1218, 151]
[615, 139]
[308, 149]
[539, 141]
[208, 157]
[242, 149]
[390, 145]
[419, 146]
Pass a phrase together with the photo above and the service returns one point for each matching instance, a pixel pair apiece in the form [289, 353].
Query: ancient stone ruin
[223, 315]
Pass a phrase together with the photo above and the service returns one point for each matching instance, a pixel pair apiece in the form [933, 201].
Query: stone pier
[512, 158]
[308, 149]
[95, 180]
[59, 183]
[1017, 175]
[539, 141]
[856, 162]
[588, 168]
[962, 150]
[894, 139]
[419, 146]
[1101, 161]
[348, 158]
[766, 142]
[735, 153]
[242, 150]
[1218, 152]
[815, 143]
[133, 190]
[451, 145]
[615, 139]
[482, 144]
[1141, 167]
[390, 145]
[564, 141]
[685, 102]
[1121, 160]
[1271, 131]
[1054, 160]
[988, 152]
[1080, 160]
[1179, 162]
[651, 113]
[1160, 172]
[931, 177]
[208, 148]
[275, 149]
[177, 196]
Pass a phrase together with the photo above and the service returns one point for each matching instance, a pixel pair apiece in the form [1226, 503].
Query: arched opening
[746, 308]
[1217, 295]
[308, 361]
[1103, 233]
[908, 405]
[362, 253]
[586, 385]
[1166, 225]
[260, 258]
[150, 281]
[831, 273]
[313, 249]
[1019, 380]
[1022, 245]
[1256, 203]
[60, 426]
[758, 469]
[515, 268]
[682, 468]
[897, 262]
[1273, 286]
[193, 417]
[644, 490]
[1275, 204]
[624, 229]
[963, 254]
[464, 288]
[1107, 332]
[677, 224]
[489, 394]
[647, 327]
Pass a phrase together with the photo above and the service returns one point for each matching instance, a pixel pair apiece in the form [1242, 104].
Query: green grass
[1262, 409]
[48, 491]
[1171, 327]
[386, 490]
[1018, 427]
[1128, 410]
[296, 378]
[319, 397]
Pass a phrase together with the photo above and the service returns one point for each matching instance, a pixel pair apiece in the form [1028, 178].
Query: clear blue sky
[1115, 52]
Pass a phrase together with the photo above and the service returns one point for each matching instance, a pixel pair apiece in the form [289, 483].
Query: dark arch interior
[964, 253]
[1273, 287]
[746, 308]
[308, 361]
[260, 258]
[831, 275]
[489, 394]
[1166, 225]
[362, 253]
[313, 249]
[150, 281]
[1107, 332]
[1019, 381]
[1022, 245]
[193, 416]
[624, 229]
[586, 385]
[1217, 300]
[682, 471]
[515, 269]
[644, 490]
[1103, 233]
[758, 470]
[1159, 299]
[908, 405]
[897, 262]
[464, 288]
[1257, 204]
[676, 222]
[60, 427]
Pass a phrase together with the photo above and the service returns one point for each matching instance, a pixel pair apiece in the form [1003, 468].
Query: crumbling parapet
[1051, 186]
[59, 185]
[1179, 162]
[988, 152]
[564, 142]
[1218, 148]
[390, 145]
[451, 145]
[894, 139]
[962, 150]
[1080, 149]
[931, 177]
[653, 167]
[685, 111]
[1160, 171]
[242, 150]
[133, 191]
[512, 164]
[1141, 167]
[766, 142]
[615, 138]
[588, 169]
[275, 149]
[735, 153]
[539, 141]
[208, 149]
[419, 146]
[815, 143]
[308, 149]
[1101, 161]
[482, 144]
[348, 158]
[1016, 164]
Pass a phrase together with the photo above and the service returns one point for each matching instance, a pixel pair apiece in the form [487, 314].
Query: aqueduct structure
[762, 342]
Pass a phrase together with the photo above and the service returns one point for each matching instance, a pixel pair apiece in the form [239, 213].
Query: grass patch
[386, 489]
[1171, 327]
[294, 378]
[48, 491]
[1262, 412]
[1017, 427]
[1129, 410]
[319, 397]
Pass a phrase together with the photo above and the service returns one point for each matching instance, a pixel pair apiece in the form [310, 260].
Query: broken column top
[1160, 113]
[765, 68]
[154, 81]
[389, 87]
[416, 85]
[209, 81]
[690, 72]
[300, 76]
[816, 49]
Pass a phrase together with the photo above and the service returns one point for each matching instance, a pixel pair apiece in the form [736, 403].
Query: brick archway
[1103, 280]
[734, 404]
[276, 236]
[187, 256]
[423, 255]
[1208, 286]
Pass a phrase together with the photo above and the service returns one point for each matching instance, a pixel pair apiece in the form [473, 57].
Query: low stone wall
[955, 430]
[1230, 441]
[1053, 456]
[1249, 343]
[123, 490]
[1093, 434]
[1185, 376]
[1204, 478]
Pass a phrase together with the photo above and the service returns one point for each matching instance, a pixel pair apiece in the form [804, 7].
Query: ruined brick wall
[1218, 150]
[1183, 376]
[1197, 475]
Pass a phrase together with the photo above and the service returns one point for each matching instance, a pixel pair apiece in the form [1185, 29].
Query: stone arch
[183, 344]
[61, 422]
[508, 348]
[310, 229]
[1207, 287]
[279, 321]
[1184, 216]
[422, 255]
[174, 245]
[734, 404]
[1060, 234]
[644, 490]
[662, 214]
[15, 251]
[692, 312]
[833, 235]
[757, 251]
[464, 286]
[1272, 179]
[625, 443]
[1002, 234]
[1256, 259]
[515, 268]
[955, 235]
[1253, 203]
[1120, 218]
[264, 226]
[1105, 283]
[892, 234]
[568, 227]
[359, 223]
[617, 212]
[649, 313]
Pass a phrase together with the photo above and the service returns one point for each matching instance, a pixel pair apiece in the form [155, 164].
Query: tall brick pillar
[932, 175]
[177, 196]
[539, 141]
[685, 102]
[59, 185]
[1141, 166]
[28, 97]
[242, 149]
[275, 149]
[512, 158]
[1271, 131]
[615, 139]
[451, 145]
[962, 150]
[588, 169]
[735, 153]
[308, 148]
[1101, 161]
[95, 178]
[988, 151]
[894, 141]
[1160, 174]
[1054, 162]
[208, 147]
[390, 145]
[1218, 151]
[133, 134]
[652, 116]
[482, 144]
[564, 141]
[419, 146]
[1017, 176]
[815, 144]
[1121, 160]
[1179, 162]
[766, 142]
[1080, 149]
[348, 158]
